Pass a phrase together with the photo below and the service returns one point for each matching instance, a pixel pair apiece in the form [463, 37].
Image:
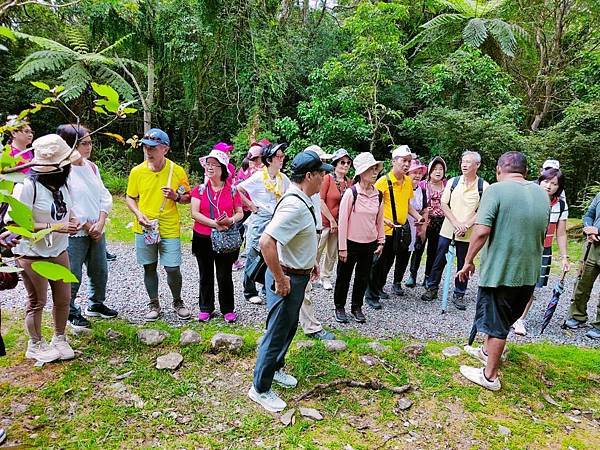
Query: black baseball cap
[309, 161]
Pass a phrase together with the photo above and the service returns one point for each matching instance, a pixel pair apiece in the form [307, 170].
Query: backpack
[355, 195]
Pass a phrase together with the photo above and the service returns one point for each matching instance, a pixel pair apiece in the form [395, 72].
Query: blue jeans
[437, 270]
[84, 250]
[282, 323]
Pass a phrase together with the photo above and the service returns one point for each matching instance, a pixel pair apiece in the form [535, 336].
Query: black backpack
[355, 195]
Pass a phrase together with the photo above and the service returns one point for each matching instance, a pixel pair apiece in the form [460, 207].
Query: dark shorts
[545, 270]
[499, 307]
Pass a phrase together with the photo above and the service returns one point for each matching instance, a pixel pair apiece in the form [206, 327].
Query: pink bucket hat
[417, 166]
[223, 146]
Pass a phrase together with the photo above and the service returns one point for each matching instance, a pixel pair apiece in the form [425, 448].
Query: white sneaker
[475, 374]
[256, 300]
[41, 351]
[284, 379]
[476, 352]
[327, 285]
[268, 400]
[62, 346]
[519, 328]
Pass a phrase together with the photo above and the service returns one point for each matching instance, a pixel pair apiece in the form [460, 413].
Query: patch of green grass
[81, 404]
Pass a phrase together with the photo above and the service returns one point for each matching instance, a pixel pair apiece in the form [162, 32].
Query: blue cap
[309, 161]
[154, 137]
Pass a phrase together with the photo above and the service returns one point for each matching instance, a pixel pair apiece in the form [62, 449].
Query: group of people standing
[358, 226]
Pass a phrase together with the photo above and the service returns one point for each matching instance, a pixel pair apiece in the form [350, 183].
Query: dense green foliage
[441, 76]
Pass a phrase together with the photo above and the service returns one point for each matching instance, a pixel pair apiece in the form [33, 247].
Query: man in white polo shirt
[289, 248]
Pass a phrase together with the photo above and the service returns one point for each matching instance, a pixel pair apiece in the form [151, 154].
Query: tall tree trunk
[285, 10]
[305, 5]
[150, 94]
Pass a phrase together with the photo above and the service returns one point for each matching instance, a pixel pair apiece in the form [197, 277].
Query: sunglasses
[345, 163]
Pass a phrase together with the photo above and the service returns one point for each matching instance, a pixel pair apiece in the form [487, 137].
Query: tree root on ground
[371, 384]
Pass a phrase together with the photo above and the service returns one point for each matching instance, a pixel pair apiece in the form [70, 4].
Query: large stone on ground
[369, 360]
[311, 413]
[227, 342]
[169, 361]
[335, 345]
[189, 337]
[378, 347]
[414, 350]
[451, 352]
[404, 403]
[152, 337]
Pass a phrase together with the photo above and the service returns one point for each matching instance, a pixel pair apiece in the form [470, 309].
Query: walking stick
[583, 260]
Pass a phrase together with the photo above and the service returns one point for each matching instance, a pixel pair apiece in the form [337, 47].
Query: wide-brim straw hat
[364, 161]
[52, 149]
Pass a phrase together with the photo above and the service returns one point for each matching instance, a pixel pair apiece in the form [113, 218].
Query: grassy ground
[550, 397]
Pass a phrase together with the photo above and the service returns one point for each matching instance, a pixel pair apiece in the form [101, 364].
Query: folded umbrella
[448, 274]
[556, 293]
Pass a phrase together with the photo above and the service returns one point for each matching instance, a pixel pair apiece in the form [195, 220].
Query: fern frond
[41, 61]
[519, 31]
[135, 64]
[475, 32]
[465, 7]
[76, 78]
[96, 58]
[443, 20]
[77, 40]
[504, 36]
[115, 45]
[489, 7]
[112, 78]
[47, 44]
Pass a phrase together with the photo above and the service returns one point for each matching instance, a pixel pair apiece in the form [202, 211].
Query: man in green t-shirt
[511, 224]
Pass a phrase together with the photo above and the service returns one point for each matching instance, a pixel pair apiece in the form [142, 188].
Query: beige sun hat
[319, 151]
[52, 149]
[364, 161]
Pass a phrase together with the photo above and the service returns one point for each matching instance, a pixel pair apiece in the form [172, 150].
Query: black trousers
[360, 255]
[431, 240]
[382, 265]
[207, 261]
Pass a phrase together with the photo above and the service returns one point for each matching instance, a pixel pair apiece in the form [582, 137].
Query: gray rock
[404, 403]
[335, 345]
[305, 344]
[189, 337]
[504, 431]
[227, 342]
[414, 350]
[369, 360]
[124, 375]
[112, 334]
[169, 361]
[156, 414]
[451, 352]
[311, 413]
[287, 417]
[378, 347]
[152, 337]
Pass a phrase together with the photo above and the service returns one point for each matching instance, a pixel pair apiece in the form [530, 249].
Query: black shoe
[397, 289]
[373, 303]
[358, 315]
[100, 310]
[383, 295]
[429, 295]
[459, 302]
[110, 256]
[340, 315]
[78, 322]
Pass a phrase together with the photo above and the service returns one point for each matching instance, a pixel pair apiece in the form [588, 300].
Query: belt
[290, 271]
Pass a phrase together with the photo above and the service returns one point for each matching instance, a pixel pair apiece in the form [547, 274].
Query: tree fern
[504, 36]
[77, 40]
[42, 61]
[48, 44]
[109, 76]
[76, 79]
[475, 32]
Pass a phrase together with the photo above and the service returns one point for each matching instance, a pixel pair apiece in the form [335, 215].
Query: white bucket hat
[551, 164]
[364, 161]
[319, 151]
[402, 151]
[218, 155]
[52, 149]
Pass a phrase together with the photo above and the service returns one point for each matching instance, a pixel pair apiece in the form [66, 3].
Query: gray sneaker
[182, 312]
[459, 302]
[285, 379]
[573, 324]
[268, 400]
[430, 295]
[593, 333]
[322, 335]
[153, 311]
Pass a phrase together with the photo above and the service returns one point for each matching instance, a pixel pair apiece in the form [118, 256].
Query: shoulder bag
[227, 241]
[400, 234]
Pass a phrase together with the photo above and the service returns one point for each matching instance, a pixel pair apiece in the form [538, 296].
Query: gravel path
[408, 315]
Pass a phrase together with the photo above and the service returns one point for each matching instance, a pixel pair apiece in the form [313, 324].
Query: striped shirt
[558, 211]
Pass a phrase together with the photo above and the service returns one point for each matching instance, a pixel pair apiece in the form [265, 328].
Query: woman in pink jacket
[360, 236]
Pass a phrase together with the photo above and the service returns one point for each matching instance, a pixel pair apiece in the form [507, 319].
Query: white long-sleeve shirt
[90, 196]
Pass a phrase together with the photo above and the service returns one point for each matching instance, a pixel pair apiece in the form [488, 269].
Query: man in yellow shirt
[397, 236]
[154, 188]
[459, 202]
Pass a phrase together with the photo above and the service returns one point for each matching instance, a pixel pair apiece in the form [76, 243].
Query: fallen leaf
[550, 399]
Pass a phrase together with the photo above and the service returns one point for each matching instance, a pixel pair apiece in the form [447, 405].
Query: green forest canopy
[439, 75]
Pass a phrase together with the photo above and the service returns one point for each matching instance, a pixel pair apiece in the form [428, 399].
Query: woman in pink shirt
[215, 205]
[20, 139]
[360, 236]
